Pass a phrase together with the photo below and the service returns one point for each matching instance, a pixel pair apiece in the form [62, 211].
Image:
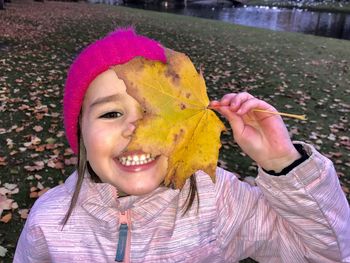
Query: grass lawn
[297, 73]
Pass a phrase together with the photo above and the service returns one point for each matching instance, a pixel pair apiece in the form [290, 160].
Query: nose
[129, 130]
[131, 125]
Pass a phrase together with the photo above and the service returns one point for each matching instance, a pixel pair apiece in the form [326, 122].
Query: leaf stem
[295, 116]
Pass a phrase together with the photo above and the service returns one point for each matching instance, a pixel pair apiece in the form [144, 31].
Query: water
[336, 25]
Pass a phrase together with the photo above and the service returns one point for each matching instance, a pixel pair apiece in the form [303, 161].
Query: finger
[239, 99]
[252, 104]
[226, 100]
[232, 100]
[214, 103]
[236, 122]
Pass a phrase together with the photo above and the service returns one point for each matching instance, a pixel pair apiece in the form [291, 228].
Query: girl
[115, 210]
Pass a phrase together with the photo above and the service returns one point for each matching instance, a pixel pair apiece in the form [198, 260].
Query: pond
[336, 25]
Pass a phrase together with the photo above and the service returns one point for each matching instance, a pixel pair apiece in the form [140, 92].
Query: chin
[141, 190]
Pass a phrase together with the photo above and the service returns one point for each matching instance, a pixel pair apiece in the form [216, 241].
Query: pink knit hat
[116, 48]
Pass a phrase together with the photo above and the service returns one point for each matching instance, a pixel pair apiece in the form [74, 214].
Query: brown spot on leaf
[179, 135]
[171, 74]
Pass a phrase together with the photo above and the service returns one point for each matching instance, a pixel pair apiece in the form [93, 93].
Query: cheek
[98, 141]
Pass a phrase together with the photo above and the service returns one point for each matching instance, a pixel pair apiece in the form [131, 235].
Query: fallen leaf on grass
[40, 193]
[55, 164]
[35, 193]
[68, 151]
[39, 165]
[3, 251]
[19, 129]
[5, 203]
[34, 140]
[14, 205]
[71, 161]
[23, 213]
[50, 140]
[40, 148]
[2, 161]
[346, 189]
[9, 143]
[38, 128]
[6, 218]
[10, 186]
[40, 186]
[4, 191]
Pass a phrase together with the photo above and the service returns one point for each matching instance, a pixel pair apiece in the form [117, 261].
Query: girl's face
[108, 121]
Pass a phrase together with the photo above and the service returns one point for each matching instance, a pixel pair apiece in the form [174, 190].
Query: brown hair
[83, 164]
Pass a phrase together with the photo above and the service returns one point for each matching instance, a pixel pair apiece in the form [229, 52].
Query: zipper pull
[123, 235]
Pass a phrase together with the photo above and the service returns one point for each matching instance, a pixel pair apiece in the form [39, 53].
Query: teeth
[136, 159]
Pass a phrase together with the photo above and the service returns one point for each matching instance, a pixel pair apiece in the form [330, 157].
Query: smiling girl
[115, 207]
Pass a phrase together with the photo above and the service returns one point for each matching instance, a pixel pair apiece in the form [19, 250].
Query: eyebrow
[104, 100]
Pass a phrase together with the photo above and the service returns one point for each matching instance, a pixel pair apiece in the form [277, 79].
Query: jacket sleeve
[31, 246]
[300, 217]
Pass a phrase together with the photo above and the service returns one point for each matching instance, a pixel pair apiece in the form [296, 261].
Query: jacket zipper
[123, 248]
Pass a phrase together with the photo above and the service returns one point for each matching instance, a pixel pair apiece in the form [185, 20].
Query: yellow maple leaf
[176, 121]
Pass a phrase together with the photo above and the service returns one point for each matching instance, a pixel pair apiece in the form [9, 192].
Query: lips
[136, 161]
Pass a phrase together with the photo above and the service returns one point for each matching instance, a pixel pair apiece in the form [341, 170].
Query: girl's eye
[111, 115]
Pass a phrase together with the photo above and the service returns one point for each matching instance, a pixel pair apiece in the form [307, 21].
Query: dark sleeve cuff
[304, 156]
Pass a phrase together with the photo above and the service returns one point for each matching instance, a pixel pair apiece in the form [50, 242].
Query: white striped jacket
[301, 217]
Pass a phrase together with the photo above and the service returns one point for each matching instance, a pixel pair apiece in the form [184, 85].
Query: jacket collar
[102, 202]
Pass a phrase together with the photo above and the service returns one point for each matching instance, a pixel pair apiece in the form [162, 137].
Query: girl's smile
[136, 161]
[109, 115]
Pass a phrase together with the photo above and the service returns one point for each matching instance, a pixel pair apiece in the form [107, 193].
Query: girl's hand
[263, 136]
